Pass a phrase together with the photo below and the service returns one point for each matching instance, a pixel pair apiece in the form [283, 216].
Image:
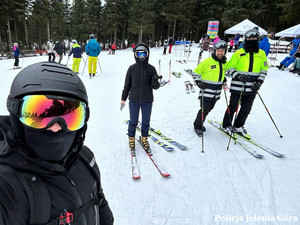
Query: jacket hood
[147, 58]
[265, 39]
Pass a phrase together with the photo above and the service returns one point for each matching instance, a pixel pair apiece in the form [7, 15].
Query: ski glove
[157, 77]
[242, 77]
[256, 86]
[201, 85]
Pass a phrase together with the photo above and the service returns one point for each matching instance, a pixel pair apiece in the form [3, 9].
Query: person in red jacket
[113, 48]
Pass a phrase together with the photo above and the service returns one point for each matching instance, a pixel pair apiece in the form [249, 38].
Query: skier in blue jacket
[92, 49]
[265, 45]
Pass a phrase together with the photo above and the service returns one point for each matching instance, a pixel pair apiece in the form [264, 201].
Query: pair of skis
[237, 138]
[189, 87]
[157, 164]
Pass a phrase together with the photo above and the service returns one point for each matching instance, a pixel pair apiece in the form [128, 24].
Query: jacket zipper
[251, 62]
[142, 75]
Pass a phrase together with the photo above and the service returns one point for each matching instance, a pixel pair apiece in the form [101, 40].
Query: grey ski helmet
[220, 45]
[252, 33]
[92, 36]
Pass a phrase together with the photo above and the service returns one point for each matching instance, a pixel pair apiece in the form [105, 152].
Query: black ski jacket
[141, 79]
[33, 191]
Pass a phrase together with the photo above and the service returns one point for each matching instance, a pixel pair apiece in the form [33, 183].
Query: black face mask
[251, 46]
[47, 145]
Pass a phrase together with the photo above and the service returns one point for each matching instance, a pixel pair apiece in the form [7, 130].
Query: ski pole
[84, 63]
[159, 67]
[202, 118]
[270, 115]
[99, 65]
[22, 60]
[235, 116]
[225, 95]
[170, 72]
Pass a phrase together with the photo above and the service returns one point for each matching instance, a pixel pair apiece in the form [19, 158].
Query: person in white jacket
[50, 49]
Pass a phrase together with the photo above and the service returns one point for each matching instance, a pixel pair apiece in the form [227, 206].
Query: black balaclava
[48, 145]
[251, 46]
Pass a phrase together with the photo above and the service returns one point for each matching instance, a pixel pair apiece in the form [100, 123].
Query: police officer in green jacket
[209, 77]
[248, 68]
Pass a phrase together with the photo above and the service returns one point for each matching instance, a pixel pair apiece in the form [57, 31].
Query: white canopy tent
[290, 32]
[244, 26]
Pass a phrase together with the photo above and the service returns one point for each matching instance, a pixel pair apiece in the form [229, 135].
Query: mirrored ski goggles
[220, 44]
[251, 33]
[141, 55]
[41, 111]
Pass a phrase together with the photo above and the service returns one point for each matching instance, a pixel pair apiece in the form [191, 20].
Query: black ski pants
[245, 108]
[207, 107]
[134, 109]
[51, 57]
[16, 61]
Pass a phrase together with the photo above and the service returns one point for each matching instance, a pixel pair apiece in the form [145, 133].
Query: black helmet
[92, 36]
[252, 33]
[57, 42]
[49, 78]
[45, 78]
[220, 45]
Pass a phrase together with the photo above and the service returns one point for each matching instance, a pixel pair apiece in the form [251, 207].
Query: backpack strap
[89, 160]
[38, 198]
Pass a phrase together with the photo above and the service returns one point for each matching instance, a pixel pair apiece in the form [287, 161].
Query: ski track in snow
[202, 185]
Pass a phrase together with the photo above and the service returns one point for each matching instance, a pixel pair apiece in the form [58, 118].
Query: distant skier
[92, 49]
[141, 79]
[166, 43]
[113, 48]
[248, 68]
[77, 53]
[171, 43]
[50, 49]
[16, 56]
[210, 76]
[59, 48]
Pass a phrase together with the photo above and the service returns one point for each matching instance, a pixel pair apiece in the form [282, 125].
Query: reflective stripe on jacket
[212, 73]
[249, 63]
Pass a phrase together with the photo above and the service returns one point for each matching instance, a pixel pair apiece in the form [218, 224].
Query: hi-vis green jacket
[254, 64]
[212, 73]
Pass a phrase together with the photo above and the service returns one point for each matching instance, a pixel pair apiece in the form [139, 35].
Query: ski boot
[132, 145]
[145, 144]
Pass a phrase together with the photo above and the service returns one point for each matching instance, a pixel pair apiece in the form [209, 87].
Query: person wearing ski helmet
[210, 77]
[16, 56]
[47, 175]
[248, 68]
[140, 80]
[77, 52]
[92, 49]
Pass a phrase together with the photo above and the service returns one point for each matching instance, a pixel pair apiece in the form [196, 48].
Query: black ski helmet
[44, 78]
[92, 36]
[48, 78]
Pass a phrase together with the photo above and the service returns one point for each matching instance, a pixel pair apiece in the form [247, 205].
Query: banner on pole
[213, 28]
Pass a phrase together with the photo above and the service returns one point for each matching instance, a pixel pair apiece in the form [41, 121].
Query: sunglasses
[41, 111]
